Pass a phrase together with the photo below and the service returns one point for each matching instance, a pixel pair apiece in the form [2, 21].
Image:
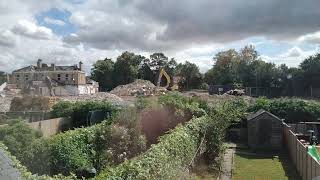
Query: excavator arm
[165, 74]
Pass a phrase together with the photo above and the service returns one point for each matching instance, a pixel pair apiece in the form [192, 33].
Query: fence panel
[307, 167]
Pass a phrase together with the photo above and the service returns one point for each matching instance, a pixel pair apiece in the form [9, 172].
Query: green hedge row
[174, 153]
[165, 160]
[78, 111]
[25, 174]
[105, 144]
[291, 109]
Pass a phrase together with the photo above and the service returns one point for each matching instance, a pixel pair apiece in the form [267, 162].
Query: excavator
[163, 73]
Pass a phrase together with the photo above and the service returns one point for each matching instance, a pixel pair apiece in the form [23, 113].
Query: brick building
[53, 80]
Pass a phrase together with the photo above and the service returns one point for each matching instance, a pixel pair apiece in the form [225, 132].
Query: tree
[311, 71]
[225, 67]
[191, 77]
[102, 72]
[145, 71]
[126, 68]
[158, 61]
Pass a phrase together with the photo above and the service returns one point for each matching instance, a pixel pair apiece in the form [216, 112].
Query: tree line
[129, 66]
[244, 68]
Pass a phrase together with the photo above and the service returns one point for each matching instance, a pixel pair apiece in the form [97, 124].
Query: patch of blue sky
[62, 29]
[76, 1]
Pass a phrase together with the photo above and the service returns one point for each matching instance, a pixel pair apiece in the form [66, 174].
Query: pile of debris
[236, 92]
[31, 103]
[101, 96]
[138, 88]
[5, 102]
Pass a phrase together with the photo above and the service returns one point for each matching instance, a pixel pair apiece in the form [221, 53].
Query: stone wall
[51, 126]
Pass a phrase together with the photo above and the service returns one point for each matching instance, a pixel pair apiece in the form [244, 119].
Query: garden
[182, 131]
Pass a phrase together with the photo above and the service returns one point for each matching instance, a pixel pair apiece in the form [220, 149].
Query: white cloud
[292, 57]
[54, 21]
[313, 38]
[7, 39]
[31, 30]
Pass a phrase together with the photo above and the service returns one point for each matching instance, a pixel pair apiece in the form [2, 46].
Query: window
[59, 77]
[18, 77]
[26, 77]
[67, 77]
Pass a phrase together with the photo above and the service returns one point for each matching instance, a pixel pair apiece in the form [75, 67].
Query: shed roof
[261, 112]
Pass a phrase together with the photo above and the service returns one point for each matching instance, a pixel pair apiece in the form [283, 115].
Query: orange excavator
[163, 73]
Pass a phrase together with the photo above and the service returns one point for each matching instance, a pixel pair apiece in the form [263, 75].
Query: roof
[47, 68]
[261, 112]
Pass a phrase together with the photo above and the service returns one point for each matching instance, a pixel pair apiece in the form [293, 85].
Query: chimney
[53, 66]
[39, 63]
[80, 66]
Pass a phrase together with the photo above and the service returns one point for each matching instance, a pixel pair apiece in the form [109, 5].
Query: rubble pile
[101, 96]
[236, 92]
[137, 88]
[5, 102]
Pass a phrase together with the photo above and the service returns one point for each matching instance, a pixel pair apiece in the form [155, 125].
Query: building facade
[45, 80]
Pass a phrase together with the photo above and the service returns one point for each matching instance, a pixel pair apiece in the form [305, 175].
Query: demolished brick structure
[53, 80]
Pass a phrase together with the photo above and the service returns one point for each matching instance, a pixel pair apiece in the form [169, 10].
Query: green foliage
[18, 136]
[184, 105]
[290, 109]
[191, 77]
[165, 160]
[126, 68]
[204, 86]
[176, 150]
[98, 146]
[78, 111]
[142, 103]
[28, 175]
[102, 72]
[63, 109]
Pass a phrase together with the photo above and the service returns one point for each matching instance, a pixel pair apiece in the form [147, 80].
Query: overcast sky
[66, 31]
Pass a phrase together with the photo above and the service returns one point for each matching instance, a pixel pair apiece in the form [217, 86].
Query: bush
[98, 146]
[78, 111]
[18, 136]
[204, 86]
[290, 109]
[184, 106]
[176, 150]
[25, 174]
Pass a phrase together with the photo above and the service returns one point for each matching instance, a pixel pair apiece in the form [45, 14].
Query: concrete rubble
[101, 96]
[138, 87]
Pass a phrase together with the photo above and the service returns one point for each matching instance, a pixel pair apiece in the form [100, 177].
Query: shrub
[78, 111]
[290, 109]
[25, 174]
[18, 136]
[98, 146]
[184, 106]
[176, 150]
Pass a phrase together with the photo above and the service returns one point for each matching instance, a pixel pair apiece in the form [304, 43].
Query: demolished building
[53, 80]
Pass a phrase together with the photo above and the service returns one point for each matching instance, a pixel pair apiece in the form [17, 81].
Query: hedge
[293, 110]
[175, 152]
[165, 160]
[78, 111]
[26, 175]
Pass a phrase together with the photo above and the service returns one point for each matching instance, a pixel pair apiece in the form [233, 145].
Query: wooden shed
[265, 131]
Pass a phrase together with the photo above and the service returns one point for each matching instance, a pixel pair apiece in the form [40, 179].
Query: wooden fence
[306, 165]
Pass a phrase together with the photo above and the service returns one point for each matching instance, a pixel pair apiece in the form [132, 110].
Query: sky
[68, 31]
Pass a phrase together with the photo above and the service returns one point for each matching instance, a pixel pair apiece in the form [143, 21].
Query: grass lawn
[250, 166]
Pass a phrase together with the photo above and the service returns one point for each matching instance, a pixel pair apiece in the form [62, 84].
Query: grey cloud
[31, 30]
[7, 39]
[190, 21]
